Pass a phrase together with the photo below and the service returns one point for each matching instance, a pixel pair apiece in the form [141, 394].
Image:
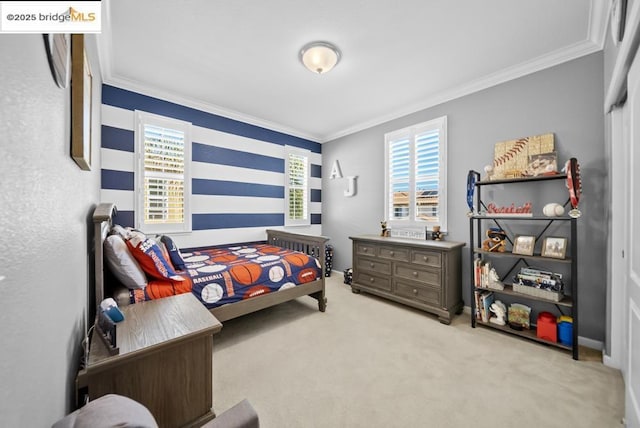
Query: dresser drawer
[373, 265]
[417, 273]
[365, 249]
[394, 253]
[367, 279]
[427, 258]
[418, 293]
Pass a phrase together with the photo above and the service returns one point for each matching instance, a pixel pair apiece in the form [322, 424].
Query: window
[415, 171]
[163, 153]
[297, 187]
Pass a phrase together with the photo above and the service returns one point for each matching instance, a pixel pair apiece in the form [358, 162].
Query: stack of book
[483, 301]
[484, 276]
[541, 279]
[481, 270]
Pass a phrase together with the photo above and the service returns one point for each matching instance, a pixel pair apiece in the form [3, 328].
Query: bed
[300, 252]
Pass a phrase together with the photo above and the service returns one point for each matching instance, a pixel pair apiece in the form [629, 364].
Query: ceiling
[239, 58]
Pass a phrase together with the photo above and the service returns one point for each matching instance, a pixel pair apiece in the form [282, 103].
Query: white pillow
[122, 264]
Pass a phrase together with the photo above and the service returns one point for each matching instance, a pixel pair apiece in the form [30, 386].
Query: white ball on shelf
[553, 210]
[559, 210]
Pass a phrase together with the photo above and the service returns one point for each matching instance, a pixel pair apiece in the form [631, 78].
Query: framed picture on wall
[80, 104]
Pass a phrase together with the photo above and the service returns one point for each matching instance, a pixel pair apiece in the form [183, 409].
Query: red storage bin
[547, 328]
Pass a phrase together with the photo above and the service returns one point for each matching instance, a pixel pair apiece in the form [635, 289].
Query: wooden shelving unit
[568, 305]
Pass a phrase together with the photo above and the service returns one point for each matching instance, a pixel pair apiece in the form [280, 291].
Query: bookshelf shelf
[566, 301]
[567, 305]
[535, 257]
[527, 333]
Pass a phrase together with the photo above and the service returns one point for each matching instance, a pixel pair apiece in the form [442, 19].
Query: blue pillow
[174, 253]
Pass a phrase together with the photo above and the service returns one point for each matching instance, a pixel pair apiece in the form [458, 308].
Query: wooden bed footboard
[314, 246]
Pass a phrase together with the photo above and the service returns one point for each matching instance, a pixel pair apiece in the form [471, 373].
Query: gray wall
[45, 205]
[566, 100]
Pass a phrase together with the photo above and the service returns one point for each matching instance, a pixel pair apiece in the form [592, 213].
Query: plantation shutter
[427, 175]
[298, 185]
[164, 175]
[399, 175]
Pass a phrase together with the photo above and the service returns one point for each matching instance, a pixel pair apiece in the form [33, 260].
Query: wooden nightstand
[165, 360]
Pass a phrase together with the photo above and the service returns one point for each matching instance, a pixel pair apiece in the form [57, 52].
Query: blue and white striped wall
[237, 171]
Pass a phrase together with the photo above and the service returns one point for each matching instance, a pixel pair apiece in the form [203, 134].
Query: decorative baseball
[553, 210]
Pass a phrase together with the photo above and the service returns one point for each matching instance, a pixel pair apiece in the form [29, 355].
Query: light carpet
[368, 362]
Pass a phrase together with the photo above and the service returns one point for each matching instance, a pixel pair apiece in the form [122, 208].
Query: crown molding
[171, 97]
[528, 67]
[598, 22]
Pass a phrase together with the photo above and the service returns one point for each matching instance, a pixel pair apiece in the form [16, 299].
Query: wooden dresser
[165, 360]
[422, 274]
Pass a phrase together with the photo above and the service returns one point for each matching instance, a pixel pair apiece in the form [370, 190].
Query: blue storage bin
[565, 333]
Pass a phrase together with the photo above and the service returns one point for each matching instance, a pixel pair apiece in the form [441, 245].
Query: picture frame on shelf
[524, 244]
[542, 164]
[554, 247]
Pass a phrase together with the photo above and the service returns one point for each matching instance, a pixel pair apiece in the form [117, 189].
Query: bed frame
[311, 245]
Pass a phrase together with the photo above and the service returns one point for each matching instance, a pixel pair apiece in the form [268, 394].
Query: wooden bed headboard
[102, 221]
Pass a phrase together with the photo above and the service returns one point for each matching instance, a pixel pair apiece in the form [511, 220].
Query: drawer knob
[415, 274]
[391, 253]
[415, 291]
[372, 279]
[365, 249]
[371, 265]
[425, 258]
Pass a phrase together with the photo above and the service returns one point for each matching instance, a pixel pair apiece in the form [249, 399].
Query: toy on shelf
[494, 280]
[500, 311]
[495, 241]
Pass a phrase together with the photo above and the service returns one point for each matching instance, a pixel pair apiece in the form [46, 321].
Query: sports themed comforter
[218, 276]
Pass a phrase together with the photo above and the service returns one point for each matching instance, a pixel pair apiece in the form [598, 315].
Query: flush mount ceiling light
[319, 57]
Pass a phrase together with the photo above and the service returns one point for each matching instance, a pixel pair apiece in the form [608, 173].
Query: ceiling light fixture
[320, 57]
